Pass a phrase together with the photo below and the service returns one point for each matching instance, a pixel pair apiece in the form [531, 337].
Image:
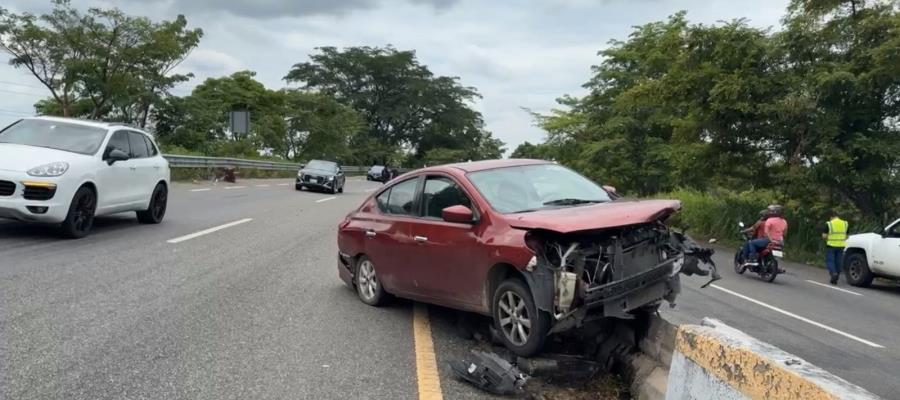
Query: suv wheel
[80, 219]
[368, 286]
[857, 270]
[522, 327]
[157, 210]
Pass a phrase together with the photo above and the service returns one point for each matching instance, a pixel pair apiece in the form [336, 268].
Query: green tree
[401, 102]
[118, 64]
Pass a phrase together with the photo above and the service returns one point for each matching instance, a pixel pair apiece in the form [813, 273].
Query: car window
[150, 147]
[54, 135]
[894, 232]
[118, 141]
[322, 165]
[138, 145]
[382, 200]
[402, 198]
[442, 192]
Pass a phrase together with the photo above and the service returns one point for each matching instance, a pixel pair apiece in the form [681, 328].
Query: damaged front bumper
[614, 273]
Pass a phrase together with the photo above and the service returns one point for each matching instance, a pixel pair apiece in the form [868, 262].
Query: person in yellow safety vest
[835, 235]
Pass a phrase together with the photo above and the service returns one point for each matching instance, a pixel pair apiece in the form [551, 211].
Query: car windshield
[54, 135]
[535, 187]
[323, 165]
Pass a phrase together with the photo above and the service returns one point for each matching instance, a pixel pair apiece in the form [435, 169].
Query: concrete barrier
[716, 361]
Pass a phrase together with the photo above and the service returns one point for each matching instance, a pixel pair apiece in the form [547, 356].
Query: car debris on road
[490, 372]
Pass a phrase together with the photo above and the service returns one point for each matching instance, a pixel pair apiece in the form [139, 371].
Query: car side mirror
[116, 155]
[458, 214]
[611, 190]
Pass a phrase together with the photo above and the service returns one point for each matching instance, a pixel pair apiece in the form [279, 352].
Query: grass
[201, 174]
[716, 215]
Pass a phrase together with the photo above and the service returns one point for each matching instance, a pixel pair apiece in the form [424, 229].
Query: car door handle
[370, 233]
[421, 239]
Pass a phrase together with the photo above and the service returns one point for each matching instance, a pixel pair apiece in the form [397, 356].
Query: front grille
[39, 193]
[313, 179]
[7, 188]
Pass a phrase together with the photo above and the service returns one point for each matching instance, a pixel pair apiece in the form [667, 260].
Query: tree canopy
[809, 111]
[402, 104]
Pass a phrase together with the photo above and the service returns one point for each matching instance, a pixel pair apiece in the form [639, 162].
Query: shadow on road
[26, 231]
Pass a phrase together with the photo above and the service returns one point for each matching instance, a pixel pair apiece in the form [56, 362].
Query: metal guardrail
[179, 161]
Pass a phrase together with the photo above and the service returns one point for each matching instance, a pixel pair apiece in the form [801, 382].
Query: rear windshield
[376, 168]
[54, 135]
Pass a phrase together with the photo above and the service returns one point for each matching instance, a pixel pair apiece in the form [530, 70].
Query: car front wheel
[157, 210]
[857, 270]
[522, 327]
[80, 219]
[368, 286]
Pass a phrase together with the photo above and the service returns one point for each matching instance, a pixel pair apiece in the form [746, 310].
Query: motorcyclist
[756, 230]
[774, 229]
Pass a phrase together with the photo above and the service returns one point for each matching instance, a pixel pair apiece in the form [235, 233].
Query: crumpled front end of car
[615, 272]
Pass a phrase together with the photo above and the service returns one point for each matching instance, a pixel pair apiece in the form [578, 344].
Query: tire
[80, 219]
[298, 187]
[738, 263]
[856, 270]
[510, 296]
[368, 286]
[369, 178]
[333, 189]
[769, 270]
[341, 189]
[157, 210]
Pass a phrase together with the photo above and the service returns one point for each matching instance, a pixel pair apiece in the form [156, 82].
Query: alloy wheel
[514, 319]
[84, 212]
[159, 204]
[366, 280]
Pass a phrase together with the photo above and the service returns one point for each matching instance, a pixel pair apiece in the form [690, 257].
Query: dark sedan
[321, 175]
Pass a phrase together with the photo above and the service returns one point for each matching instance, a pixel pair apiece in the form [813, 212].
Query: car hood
[595, 216]
[21, 158]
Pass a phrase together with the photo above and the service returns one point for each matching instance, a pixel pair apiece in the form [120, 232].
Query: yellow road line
[426, 364]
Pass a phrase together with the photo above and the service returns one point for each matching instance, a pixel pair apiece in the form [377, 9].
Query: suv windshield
[54, 135]
[323, 165]
[535, 187]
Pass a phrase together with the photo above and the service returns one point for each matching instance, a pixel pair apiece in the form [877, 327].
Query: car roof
[85, 122]
[489, 164]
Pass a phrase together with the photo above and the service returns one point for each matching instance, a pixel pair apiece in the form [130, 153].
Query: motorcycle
[767, 265]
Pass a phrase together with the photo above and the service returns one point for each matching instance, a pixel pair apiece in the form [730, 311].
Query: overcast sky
[518, 53]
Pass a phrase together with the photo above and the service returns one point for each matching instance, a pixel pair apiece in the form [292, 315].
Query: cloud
[264, 9]
[517, 53]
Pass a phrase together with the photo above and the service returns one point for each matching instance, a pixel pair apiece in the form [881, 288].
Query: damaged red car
[536, 246]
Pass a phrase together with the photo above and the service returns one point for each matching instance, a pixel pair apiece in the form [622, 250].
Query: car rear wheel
[80, 219]
[857, 270]
[368, 286]
[522, 327]
[157, 210]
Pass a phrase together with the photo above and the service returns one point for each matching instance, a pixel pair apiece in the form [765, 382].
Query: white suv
[873, 254]
[66, 171]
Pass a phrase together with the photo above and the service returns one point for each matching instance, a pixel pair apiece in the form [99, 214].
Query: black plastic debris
[490, 372]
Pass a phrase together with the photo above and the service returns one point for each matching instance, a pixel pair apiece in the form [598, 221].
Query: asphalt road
[255, 310]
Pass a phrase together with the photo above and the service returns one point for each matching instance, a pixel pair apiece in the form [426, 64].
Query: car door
[446, 259]
[388, 239]
[157, 162]
[114, 191]
[142, 182]
[886, 253]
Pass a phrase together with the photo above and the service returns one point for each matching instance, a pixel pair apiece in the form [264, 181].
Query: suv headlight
[330, 178]
[52, 169]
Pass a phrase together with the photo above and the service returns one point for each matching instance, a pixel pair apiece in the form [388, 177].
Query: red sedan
[531, 243]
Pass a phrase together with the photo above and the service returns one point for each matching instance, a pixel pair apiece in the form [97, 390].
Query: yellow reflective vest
[837, 233]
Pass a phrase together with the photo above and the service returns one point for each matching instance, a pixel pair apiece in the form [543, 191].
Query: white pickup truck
[871, 255]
